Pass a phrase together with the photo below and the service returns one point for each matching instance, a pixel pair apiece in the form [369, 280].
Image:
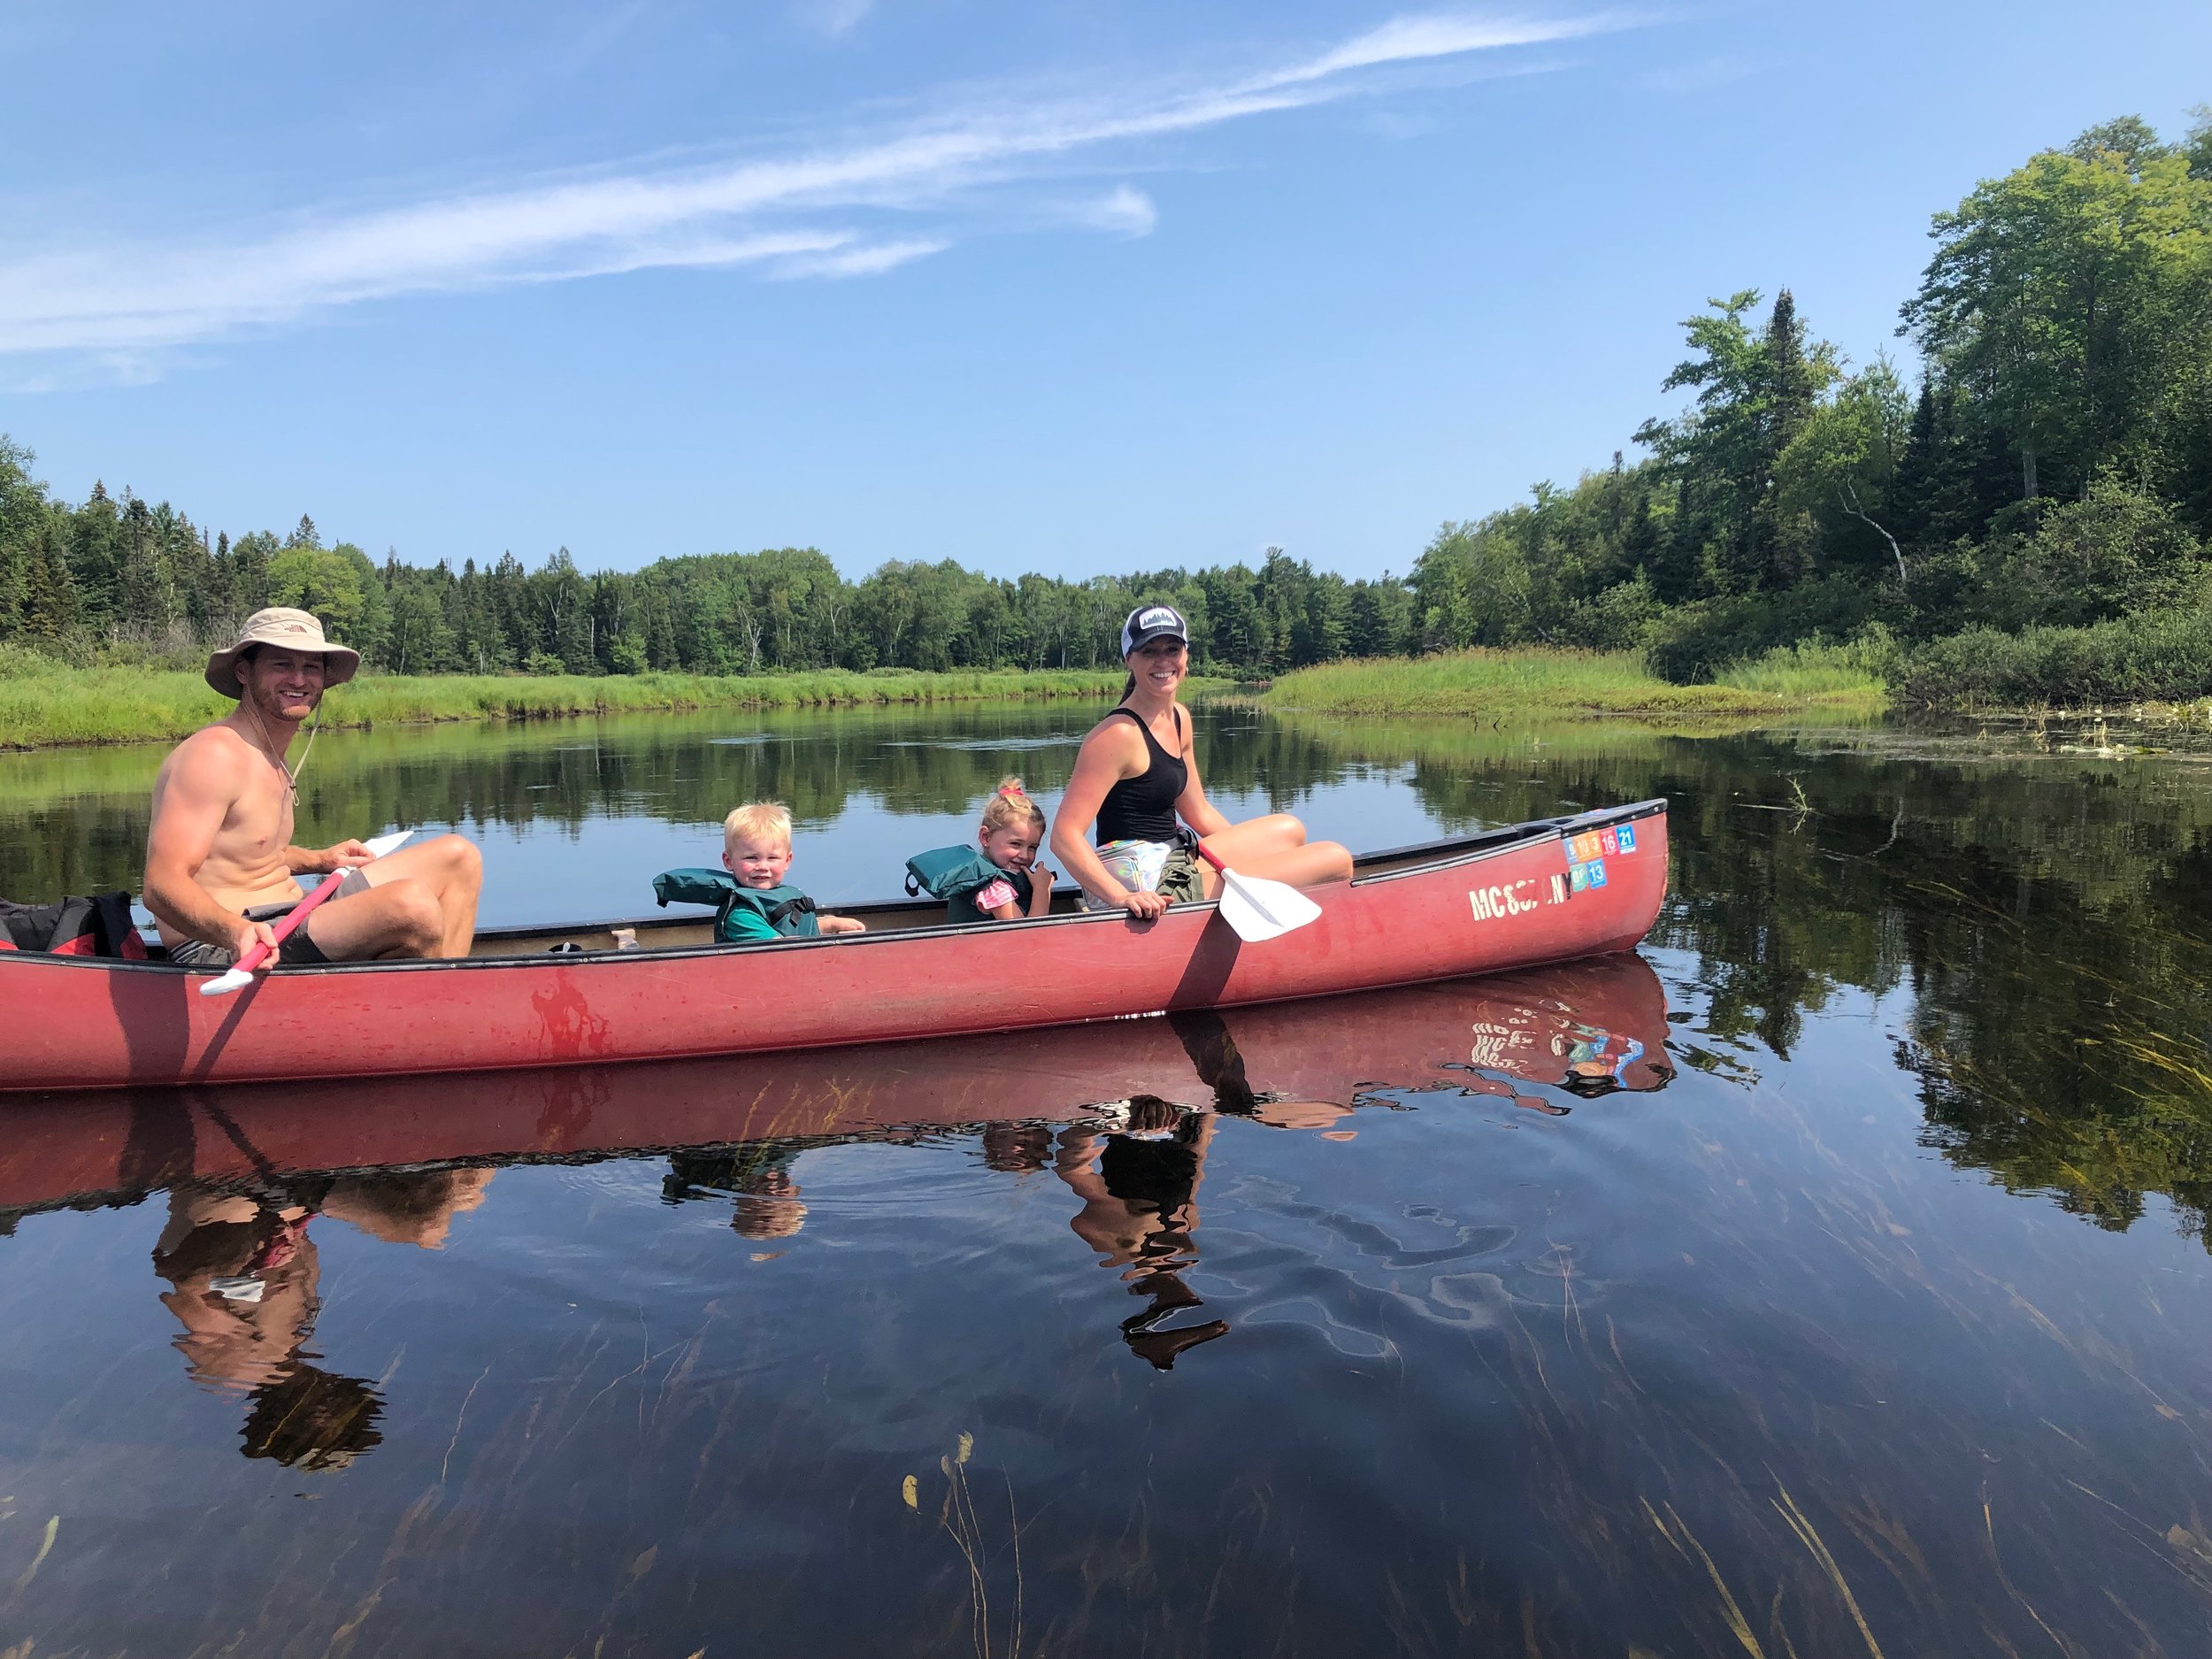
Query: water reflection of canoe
[1590, 1027]
[1549, 891]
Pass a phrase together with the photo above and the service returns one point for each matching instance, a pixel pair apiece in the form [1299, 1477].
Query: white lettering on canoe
[1490, 905]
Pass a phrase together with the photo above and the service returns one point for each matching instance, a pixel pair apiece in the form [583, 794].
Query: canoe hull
[1477, 907]
[1281, 1062]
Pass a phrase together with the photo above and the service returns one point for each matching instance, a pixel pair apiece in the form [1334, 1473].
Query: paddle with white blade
[1255, 908]
[241, 975]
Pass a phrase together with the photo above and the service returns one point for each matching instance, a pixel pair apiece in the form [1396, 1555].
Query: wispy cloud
[1124, 211]
[817, 211]
[871, 259]
[1702, 76]
[834, 18]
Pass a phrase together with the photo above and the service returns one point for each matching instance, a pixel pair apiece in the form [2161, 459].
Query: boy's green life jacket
[957, 874]
[787, 910]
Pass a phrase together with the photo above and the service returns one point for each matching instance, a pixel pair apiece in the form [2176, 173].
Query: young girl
[998, 879]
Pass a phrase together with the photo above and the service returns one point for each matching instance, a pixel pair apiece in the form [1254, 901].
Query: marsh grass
[43, 705]
[962, 1522]
[1509, 684]
[1855, 675]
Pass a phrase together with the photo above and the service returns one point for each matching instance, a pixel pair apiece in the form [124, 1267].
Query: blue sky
[1059, 285]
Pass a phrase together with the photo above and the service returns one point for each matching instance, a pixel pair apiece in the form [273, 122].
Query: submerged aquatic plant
[962, 1522]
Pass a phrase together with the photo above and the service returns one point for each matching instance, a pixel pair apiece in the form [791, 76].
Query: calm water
[1829, 1279]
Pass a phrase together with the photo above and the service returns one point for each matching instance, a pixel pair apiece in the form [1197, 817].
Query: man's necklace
[268, 748]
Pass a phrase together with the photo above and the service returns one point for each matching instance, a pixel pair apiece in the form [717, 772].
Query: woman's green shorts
[1167, 868]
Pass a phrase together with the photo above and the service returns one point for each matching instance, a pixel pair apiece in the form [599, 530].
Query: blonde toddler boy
[756, 851]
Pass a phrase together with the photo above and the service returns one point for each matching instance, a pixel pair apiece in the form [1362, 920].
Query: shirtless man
[219, 858]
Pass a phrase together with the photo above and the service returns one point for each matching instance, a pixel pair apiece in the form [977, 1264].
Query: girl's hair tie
[1012, 789]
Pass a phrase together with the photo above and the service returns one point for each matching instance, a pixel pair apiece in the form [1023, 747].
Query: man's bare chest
[257, 826]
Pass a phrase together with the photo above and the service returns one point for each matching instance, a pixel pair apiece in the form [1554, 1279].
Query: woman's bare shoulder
[1117, 743]
[1120, 725]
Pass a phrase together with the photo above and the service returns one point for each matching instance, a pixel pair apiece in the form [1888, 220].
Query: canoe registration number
[1516, 898]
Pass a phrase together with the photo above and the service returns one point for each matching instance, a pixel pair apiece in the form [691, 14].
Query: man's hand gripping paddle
[1255, 908]
[242, 974]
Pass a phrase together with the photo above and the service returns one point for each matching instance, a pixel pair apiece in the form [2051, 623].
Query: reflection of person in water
[1139, 1182]
[1017, 1148]
[756, 1177]
[244, 1283]
[1139, 1187]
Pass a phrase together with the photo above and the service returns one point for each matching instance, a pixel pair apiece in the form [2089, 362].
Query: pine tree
[94, 542]
[1791, 386]
[145, 600]
[249, 570]
[1782, 553]
[1912, 491]
[50, 593]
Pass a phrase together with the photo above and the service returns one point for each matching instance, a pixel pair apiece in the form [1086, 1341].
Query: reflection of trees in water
[77, 822]
[2052, 917]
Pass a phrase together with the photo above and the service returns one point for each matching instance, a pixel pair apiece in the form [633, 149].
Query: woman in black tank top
[1137, 775]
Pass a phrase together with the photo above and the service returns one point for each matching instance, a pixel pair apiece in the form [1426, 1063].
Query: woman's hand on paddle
[1144, 907]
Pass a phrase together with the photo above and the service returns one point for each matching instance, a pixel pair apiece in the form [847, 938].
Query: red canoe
[1549, 891]
[1590, 1027]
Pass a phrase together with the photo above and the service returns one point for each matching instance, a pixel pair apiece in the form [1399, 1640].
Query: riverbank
[57, 707]
[2153, 656]
[1559, 684]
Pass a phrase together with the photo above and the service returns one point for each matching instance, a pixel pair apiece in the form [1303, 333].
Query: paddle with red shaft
[1255, 908]
[224, 984]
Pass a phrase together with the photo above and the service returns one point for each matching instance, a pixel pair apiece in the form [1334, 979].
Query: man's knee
[416, 924]
[458, 858]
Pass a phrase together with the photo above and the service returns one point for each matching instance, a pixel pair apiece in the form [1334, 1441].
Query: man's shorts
[1164, 867]
[297, 949]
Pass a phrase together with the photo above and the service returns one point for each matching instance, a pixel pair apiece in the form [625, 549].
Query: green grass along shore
[47, 706]
[1527, 683]
[43, 705]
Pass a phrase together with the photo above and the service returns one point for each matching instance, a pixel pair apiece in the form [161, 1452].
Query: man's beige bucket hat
[289, 630]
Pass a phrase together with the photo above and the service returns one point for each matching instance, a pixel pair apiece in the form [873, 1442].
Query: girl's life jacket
[957, 874]
[787, 910]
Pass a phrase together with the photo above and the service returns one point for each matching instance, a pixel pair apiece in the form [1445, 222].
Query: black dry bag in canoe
[99, 926]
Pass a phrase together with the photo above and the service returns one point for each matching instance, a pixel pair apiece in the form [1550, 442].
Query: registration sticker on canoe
[1627, 836]
[1609, 843]
[1586, 847]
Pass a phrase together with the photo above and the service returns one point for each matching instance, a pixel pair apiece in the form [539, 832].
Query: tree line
[117, 576]
[2053, 466]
